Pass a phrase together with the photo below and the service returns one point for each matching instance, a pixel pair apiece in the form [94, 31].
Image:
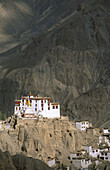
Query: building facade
[30, 107]
[83, 125]
[105, 155]
[81, 162]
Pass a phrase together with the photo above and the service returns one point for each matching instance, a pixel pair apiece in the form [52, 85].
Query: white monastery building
[83, 125]
[32, 107]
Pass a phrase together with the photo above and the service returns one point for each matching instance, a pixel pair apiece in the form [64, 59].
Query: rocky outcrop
[44, 139]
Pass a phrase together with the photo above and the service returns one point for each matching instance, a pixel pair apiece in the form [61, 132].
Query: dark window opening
[70, 134]
[50, 135]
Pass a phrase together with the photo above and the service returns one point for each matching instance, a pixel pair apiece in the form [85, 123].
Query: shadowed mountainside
[68, 61]
[16, 162]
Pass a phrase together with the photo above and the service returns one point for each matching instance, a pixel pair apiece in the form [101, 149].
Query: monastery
[32, 107]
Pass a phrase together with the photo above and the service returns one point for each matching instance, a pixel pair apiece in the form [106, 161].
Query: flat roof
[35, 97]
[82, 121]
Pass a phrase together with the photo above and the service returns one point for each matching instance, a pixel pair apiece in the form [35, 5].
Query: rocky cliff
[68, 60]
[44, 139]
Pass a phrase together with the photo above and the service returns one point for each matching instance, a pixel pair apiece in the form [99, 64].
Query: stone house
[82, 125]
[81, 162]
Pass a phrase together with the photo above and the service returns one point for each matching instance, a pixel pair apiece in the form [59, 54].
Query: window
[16, 108]
[48, 107]
[50, 135]
[19, 108]
[35, 105]
[93, 151]
[53, 107]
[56, 107]
[96, 150]
[30, 101]
[30, 104]
[45, 101]
[35, 109]
[106, 158]
[105, 154]
[36, 101]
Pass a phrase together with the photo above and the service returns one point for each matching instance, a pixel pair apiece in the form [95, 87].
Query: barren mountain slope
[69, 61]
[22, 19]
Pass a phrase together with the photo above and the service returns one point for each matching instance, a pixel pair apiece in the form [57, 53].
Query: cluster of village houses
[30, 107]
[84, 157]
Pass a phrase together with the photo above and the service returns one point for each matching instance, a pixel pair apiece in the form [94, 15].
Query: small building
[91, 151]
[75, 155]
[51, 163]
[82, 125]
[35, 106]
[95, 153]
[106, 131]
[104, 148]
[105, 155]
[93, 131]
[81, 162]
[87, 148]
[104, 139]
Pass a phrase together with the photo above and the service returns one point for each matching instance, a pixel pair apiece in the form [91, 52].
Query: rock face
[69, 61]
[44, 139]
